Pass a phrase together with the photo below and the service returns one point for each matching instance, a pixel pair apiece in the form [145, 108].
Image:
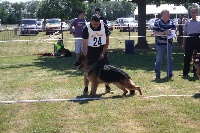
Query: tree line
[12, 13]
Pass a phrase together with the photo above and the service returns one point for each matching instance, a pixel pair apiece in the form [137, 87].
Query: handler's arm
[105, 47]
[166, 32]
[184, 34]
[183, 45]
[85, 46]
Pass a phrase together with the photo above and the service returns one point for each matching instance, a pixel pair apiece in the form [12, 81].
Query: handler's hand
[167, 32]
[101, 56]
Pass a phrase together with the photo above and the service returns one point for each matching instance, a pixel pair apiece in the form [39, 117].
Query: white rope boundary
[73, 39]
[80, 99]
[168, 96]
[47, 100]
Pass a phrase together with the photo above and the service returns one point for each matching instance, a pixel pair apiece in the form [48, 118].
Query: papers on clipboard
[172, 35]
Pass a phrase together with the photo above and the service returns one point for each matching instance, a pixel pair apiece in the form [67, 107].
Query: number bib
[96, 38]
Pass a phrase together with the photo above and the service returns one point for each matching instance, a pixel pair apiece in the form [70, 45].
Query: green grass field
[26, 76]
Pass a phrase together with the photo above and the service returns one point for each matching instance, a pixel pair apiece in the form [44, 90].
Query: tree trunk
[142, 43]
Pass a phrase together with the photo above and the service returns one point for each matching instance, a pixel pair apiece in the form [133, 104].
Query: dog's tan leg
[130, 85]
[138, 88]
[93, 89]
[122, 88]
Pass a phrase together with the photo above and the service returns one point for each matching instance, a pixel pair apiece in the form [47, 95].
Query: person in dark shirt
[192, 29]
[98, 11]
[95, 43]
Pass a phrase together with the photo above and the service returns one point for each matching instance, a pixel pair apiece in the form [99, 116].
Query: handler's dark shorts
[94, 55]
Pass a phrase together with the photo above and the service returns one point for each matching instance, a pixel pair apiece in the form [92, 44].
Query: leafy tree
[31, 8]
[16, 13]
[111, 9]
[3, 12]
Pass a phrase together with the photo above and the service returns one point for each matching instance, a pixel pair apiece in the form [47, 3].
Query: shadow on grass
[65, 64]
[141, 59]
[87, 98]
[163, 80]
[197, 95]
[189, 78]
[16, 66]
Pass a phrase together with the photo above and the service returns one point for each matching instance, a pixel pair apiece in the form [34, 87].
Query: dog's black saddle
[108, 73]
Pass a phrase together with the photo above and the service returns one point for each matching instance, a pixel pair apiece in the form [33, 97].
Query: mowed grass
[27, 76]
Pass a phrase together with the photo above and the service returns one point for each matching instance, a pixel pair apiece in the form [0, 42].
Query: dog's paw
[132, 92]
[124, 94]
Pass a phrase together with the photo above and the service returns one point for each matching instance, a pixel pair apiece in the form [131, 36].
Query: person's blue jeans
[162, 53]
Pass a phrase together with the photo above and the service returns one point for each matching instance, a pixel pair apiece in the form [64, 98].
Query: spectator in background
[192, 29]
[163, 28]
[78, 25]
[184, 20]
[98, 11]
[158, 17]
[59, 49]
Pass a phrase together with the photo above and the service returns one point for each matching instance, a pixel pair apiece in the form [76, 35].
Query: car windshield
[130, 21]
[28, 22]
[53, 21]
[39, 23]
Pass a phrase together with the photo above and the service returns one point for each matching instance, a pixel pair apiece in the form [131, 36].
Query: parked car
[128, 24]
[150, 23]
[117, 23]
[29, 26]
[53, 26]
[40, 24]
[65, 26]
[110, 25]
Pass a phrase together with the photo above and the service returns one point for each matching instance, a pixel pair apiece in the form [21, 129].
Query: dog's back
[111, 74]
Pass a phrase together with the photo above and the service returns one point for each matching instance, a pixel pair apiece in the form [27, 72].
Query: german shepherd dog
[196, 62]
[98, 74]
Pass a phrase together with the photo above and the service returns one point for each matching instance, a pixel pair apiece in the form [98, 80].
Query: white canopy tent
[152, 9]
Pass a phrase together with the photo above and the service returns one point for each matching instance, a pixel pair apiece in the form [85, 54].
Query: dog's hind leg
[93, 89]
[122, 88]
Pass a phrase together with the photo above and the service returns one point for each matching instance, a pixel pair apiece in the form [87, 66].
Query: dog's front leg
[93, 89]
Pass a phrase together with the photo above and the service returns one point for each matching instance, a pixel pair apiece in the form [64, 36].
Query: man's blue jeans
[162, 53]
